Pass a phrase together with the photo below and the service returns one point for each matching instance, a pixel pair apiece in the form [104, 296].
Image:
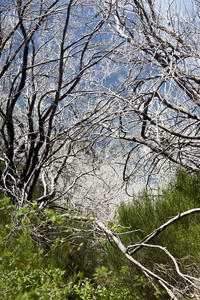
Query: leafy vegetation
[148, 212]
[64, 264]
[145, 213]
[60, 269]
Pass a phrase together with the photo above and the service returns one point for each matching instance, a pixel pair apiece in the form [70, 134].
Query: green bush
[32, 284]
[145, 213]
[37, 269]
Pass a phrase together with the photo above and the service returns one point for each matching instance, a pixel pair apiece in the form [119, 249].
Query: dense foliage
[57, 266]
[50, 269]
[146, 212]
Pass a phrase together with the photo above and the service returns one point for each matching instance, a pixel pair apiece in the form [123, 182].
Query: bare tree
[49, 52]
[157, 96]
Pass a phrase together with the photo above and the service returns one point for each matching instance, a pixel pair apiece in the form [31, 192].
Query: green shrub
[60, 269]
[146, 212]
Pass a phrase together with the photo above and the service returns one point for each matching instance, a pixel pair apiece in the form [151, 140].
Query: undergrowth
[67, 261]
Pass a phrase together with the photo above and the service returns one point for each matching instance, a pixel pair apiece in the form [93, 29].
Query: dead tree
[156, 97]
